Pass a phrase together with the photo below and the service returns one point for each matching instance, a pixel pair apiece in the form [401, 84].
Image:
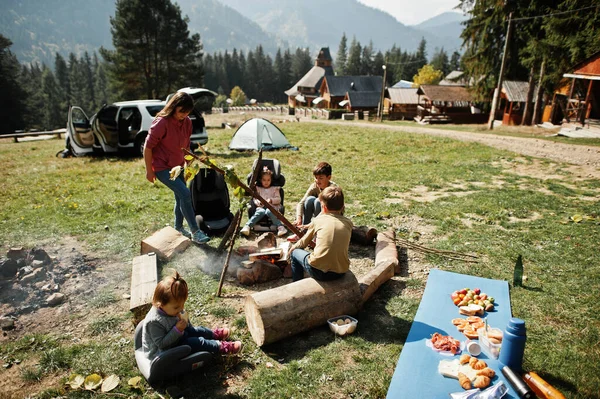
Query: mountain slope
[316, 23]
[40, 28]
[445, 25]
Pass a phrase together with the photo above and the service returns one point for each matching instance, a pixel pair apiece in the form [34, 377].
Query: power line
[552, 14]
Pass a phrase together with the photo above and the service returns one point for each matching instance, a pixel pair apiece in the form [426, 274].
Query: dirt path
[587, 157]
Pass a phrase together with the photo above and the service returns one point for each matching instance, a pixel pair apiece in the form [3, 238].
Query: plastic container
[489, 348]
[473, 348]
[513, 344]
[342, 325]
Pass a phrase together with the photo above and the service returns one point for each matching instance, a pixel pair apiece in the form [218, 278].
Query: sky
[411, 12]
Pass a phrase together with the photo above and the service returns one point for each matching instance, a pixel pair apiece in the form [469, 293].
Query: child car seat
[168, 363]
[277, 180]
[210, 200]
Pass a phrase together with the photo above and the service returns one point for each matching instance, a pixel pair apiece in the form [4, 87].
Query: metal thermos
[513, 344]
[521, 388]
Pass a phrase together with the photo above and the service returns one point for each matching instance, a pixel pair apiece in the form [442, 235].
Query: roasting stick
[231, 243]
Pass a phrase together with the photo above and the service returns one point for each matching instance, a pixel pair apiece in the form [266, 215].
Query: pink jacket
[166, 138]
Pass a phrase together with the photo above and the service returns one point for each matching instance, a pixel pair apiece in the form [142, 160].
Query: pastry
[464, 359]
[488, 372]
[481, 381]
[464, 381]
[472, 362]
[478, 365]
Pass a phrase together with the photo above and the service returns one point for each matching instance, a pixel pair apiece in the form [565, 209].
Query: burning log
[300, 306]
[259, 271]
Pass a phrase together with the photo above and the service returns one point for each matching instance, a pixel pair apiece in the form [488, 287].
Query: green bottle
[518, 275]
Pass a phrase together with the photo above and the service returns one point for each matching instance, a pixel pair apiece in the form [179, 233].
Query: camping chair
[278, 180]
[169, 363]
[210, 200]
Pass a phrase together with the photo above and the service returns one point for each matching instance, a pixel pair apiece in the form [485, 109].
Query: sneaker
[281, 231]
[221, 334]
[245, 231]
[230, 347]
[199, 237]
[184, 232]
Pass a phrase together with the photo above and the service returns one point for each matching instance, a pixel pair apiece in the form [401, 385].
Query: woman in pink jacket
[169, 133]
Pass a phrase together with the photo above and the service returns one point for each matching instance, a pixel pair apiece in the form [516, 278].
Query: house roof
[445, 93]
[312, 78]
[339, 85]
[324, 54]
[515, 91]
[400, 95]
[364, 99]
[590, 66]
[403, 84]
[453, 79]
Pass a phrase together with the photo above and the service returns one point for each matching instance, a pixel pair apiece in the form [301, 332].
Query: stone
[55, 299]
[8, 268]
[39, 254]
[7, 323]
[37, 263]
[16, 253]
[267, 240]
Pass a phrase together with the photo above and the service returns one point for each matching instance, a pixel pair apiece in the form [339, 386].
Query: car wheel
[140, 140]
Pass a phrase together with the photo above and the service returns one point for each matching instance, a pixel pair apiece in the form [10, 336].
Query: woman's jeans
[312, 207]
[261, 213]
[183, 200]
[200, 339]
[300, 264]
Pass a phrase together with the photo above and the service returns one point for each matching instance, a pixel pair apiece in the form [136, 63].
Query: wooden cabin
[336, 89]
[401, 103]
[579, 100]
[446, 104]
[513, 98]
[306, 90]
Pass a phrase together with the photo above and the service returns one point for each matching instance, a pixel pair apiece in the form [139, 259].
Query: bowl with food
[342, 325]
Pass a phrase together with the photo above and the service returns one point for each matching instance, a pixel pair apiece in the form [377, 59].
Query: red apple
[477, 291]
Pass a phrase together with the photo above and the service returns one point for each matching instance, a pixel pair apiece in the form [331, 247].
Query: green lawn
[481, 208]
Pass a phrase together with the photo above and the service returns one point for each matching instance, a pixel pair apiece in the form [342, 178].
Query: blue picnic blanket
[416, 375]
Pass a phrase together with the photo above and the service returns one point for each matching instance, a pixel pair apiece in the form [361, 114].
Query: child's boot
[221, 333]
[230, 347]
[245, 230]
[281, 231]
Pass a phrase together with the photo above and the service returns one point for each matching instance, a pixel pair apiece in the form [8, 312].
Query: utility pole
[382, 94]
[496, 98]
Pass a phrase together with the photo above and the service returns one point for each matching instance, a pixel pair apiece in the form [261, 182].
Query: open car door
[80, 138]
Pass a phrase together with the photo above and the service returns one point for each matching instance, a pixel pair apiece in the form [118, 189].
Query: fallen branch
[440, 252]
[226, 265]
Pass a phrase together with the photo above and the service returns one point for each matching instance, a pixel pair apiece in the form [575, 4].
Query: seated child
[271, 195]
[167, 325]
[332, 230]
[310, 206]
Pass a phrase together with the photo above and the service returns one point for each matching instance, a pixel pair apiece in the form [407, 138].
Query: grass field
[468, 197]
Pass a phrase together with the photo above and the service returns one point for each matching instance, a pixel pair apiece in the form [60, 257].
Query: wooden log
[385, 250]
[284, 311]
[144, 277]
[370, 282]
[165, 243]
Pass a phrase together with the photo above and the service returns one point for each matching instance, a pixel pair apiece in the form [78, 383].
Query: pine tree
[353, 66]
[12, 94]
[61, 73]
[154, 53]
[440, 61]
[52, 115]
[366, 60]
[342, 56]
[301, 63]
[455, 61]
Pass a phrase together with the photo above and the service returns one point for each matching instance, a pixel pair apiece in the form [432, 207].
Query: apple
[483, 297]
[477, 291]
[464, 291]
[454, 295]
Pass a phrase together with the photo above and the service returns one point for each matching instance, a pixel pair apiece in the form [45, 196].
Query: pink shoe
[221, 334]
[230, 348]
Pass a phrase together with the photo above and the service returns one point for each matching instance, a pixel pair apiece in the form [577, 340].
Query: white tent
[257, 133]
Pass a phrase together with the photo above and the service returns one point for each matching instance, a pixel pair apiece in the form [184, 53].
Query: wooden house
[513, 97]
[579, 100]
[446, 104]
[361, 93]
[306, 90]
[401, 103]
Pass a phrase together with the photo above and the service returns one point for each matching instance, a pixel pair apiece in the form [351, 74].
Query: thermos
[523, 391]
[513, 344]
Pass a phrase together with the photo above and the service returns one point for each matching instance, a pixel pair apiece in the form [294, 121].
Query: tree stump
[259, 272]
[284, 311]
